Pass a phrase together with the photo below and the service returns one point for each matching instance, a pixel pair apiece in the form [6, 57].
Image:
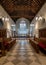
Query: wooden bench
[34, 45]
[6, 44]
[42, 45]
[9, 42]
[2, 48]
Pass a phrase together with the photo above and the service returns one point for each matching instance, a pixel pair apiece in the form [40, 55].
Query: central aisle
[22, 54]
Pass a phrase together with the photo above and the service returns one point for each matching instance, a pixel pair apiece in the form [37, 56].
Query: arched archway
[1, 23]
[22, 27]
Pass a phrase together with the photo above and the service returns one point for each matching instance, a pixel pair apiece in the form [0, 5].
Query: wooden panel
[42, 33]
[2, 33]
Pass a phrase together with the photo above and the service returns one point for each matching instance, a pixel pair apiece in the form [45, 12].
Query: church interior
[22, 32]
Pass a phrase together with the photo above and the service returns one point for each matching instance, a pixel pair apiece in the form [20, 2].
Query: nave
[21, 53]
[22, 32]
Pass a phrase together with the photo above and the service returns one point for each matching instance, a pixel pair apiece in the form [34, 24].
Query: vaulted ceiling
[22, 8]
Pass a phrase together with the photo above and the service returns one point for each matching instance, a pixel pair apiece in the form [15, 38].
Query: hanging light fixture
[40, 18]
[36, 18]
[6, 19]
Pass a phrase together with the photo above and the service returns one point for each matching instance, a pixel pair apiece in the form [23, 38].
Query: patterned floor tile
[9, 63]
[27, 55]
[21, 63]
[30, 53]
[34, 63]
[11, 58]
[28, 61]
[16, 61]
[21, 54]
[36, 60]
[2, 60]
[17, 55]
[13, 54]
[22, 58]
[33, 58]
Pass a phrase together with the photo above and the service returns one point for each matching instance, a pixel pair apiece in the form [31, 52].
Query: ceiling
[22, 8]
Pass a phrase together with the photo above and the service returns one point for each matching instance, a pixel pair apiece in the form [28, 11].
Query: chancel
[22, 28]
[22, 32]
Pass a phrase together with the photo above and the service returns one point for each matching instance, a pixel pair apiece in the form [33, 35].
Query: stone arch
[23, 20]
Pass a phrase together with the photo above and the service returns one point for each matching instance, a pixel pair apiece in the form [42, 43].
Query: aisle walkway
[22, 54]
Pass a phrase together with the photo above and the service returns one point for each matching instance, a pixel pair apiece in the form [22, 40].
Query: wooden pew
[42, 45]
[9, 42]
[34, 45]
[2, 48]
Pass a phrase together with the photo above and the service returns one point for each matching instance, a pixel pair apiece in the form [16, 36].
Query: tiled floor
[21, 54]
